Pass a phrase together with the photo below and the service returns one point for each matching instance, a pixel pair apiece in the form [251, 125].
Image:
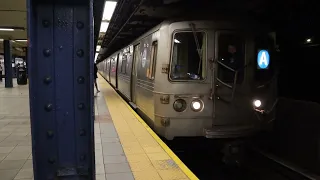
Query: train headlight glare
[257, 103]
[196, 105]
[179, 105]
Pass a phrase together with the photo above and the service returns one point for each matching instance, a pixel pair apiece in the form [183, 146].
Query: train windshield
[188, 56]
[231, 57]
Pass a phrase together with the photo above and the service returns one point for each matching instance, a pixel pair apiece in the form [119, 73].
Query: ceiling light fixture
[21, 40]
[11, 28]
[6, 29]
[109, 8]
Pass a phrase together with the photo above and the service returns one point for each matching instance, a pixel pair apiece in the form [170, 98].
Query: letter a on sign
[263, 59]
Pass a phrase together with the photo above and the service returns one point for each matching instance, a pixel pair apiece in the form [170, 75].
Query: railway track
[205, 160]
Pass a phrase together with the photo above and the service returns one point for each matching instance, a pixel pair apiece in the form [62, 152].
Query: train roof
[229, 22]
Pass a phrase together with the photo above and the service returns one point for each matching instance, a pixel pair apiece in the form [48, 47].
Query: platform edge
[174, 157]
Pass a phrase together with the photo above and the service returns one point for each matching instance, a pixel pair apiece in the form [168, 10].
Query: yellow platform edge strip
[173, 156]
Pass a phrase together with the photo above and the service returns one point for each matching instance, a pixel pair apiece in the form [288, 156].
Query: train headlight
[257, 103]
[180, 105]
[197, 105]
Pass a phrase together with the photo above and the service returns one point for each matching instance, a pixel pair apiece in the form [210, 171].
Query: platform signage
[263, 59]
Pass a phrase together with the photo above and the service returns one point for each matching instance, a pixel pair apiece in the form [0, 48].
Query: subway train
[199, 78]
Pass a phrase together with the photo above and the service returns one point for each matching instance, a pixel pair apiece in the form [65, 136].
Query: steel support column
[7, 64]
[60, 60]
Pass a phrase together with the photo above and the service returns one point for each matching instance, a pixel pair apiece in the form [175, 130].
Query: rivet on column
[48, 107]
[80, 80]
[82, 157]
[80, 25]
[47, 52]
[50, 134]
[47, 80]
[45, 23]
[82, 132]
[51, 160]
[80, 53]
[80, 106]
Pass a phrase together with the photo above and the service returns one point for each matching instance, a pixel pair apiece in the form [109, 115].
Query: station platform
[125, 147]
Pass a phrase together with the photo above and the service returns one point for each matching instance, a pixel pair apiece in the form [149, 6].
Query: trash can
[22, 76]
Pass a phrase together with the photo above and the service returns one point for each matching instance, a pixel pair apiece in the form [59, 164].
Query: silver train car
[198, 78]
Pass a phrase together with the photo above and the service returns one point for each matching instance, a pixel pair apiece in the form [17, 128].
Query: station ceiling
[132, 18]
[13, 13]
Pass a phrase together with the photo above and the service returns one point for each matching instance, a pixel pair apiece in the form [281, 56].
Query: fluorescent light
[95, 58]
[104, 26]
[19, 49]
[176, 41]
[1, 39]
[21, 40]
[98, 48]
[6, 29]
[108, 10]
[107, 14]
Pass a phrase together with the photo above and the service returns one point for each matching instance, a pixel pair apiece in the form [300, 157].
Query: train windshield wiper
[199, 49]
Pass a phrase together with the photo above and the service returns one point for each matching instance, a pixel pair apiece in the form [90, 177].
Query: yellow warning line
[174, 157]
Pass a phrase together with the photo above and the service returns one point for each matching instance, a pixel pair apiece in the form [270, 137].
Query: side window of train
[107, 65]
[153, 60]
[124, 63]
[188, 56]
[136, 57]
[231, 57]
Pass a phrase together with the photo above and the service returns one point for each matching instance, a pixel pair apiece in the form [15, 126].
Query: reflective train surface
[214, 79]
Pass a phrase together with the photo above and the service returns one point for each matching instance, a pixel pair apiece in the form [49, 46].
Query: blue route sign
[263, 59]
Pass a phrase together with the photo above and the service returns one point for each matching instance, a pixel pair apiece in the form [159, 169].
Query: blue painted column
[60, 60]
[7, 64]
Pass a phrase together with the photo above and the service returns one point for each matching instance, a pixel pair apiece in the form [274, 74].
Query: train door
[108, 70]
[230, 99]
[118, 55]
[136, 57]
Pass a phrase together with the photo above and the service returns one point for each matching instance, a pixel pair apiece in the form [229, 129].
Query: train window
[124, 64]
[113, 64]
[154, 53]
[231, 48]
[188, 56]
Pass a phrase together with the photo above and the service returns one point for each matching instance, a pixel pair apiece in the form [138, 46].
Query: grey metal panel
[134, 71]
[144, 85]
[124, 85]
[124, 78]
[105, 69]
[164, 87]
[113, 64]
[196, 121]
[102, 68]
[108, 69]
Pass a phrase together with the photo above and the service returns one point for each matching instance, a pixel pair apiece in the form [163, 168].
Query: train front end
[209, 81]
